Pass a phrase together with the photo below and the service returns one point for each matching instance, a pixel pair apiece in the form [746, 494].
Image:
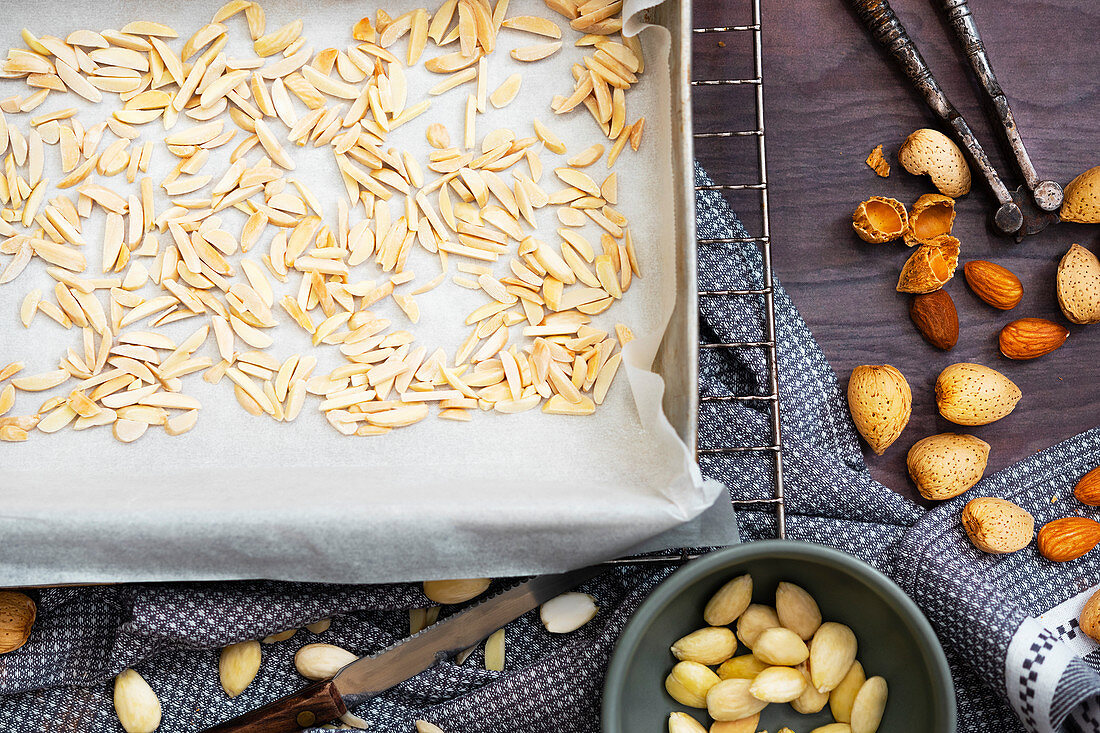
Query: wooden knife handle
[311, 706]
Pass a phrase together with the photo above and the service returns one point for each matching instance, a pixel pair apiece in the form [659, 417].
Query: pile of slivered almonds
[159, 266]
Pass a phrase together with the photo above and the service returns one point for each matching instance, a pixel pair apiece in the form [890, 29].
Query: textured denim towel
[1007, 623]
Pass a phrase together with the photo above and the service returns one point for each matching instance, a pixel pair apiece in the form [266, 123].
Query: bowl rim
[630, 638]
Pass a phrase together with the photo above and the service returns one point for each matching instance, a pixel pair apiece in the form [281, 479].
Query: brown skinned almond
[1087, 489]
[1030, 338]
[935, 317]
[1068, 539]
[994, 284]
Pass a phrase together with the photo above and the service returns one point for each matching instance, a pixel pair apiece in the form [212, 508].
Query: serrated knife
[370, 676]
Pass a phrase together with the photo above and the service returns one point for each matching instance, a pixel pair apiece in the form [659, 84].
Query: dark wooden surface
[831, 96]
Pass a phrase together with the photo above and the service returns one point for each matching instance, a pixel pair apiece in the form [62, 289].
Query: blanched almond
[455, 591]
[753, 622]
[797, 610]
[321, 661]
[238, 665]
[778, 684]
[136, 704]
[832, 652]
[729, 602]
[780, 646]
[710, 645]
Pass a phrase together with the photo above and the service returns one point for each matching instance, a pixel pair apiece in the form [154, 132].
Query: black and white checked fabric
[983, 607]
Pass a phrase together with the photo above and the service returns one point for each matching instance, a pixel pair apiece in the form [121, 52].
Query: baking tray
[676, 362]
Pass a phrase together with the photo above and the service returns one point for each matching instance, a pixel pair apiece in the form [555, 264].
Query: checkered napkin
[1007, 623]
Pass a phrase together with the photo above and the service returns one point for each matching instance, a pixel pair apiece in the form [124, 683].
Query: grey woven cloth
[1008, 667]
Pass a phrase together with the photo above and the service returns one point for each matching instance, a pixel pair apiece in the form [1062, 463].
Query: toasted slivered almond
[503, 95]
[148, 28]
[532, 24]
[41, 382]
[536, 52]
[271, 144]
[587, 157]
[75, 81]
[552, 142]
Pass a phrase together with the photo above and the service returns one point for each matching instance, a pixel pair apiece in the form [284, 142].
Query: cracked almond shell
[930, 152]
[1081, 203]
[930, 267]
[1078, 285]
[973, 394]
[880, 219]
[881, 402]
[932, 215]
[945, 465]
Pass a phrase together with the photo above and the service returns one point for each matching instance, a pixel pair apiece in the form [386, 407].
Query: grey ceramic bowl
[895, 640]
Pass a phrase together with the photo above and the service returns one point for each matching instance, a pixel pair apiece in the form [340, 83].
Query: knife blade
[370, 676]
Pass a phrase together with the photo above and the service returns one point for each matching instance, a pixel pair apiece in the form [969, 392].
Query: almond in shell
[1081, 203]
[930, 152]
[935, 317]
[997, 526]
[973, 394]
[993, 283]
[1068, 538]
[1030, 338]
[17, 613]
[880, 219]
[1089, 620]
[880, 402]
[932, 215]
[1078, 285]
[944, 466]
[930, 266]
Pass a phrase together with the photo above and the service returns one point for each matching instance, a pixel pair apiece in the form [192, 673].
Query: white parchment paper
[245, 497]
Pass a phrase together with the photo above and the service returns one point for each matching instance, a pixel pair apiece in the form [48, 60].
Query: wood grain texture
[831, 96]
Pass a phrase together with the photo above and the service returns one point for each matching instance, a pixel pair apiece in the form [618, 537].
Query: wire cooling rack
[766, 292]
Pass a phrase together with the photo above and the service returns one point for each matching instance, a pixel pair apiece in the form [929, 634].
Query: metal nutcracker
[1020, 213]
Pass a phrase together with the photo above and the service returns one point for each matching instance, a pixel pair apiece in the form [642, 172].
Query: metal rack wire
[766, 292]
[767, 344]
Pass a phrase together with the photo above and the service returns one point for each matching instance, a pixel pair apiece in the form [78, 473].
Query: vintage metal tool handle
[884, 25]
[311, 706]
[1047, 194]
